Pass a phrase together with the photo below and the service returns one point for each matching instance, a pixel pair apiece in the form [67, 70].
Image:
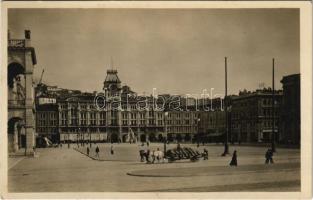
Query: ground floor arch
[143, 138]
[114, 138]
[16, 134]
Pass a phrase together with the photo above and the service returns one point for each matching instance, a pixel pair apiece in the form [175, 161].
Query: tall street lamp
[89, 137]
[77, 137]
[80, 137]
[165, 124]
[198, 131]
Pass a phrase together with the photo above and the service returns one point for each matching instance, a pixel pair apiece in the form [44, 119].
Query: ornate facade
[21, 62]
[252, 116]
[116, 115]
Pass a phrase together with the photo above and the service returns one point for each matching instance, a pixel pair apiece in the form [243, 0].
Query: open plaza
[66, 169]
[78, 124]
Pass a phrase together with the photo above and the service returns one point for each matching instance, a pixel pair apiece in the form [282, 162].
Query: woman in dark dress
[233, 161]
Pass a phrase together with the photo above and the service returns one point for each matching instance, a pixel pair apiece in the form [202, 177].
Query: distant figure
[178, 146]
[233, 161]
[269, 156]
[239, 142]
[153, 156]
[142, 152]
[205, 154]
[148, 156]
[112, 150]
[147, 143]
[88, 151]
[97, 151]
[158, 154]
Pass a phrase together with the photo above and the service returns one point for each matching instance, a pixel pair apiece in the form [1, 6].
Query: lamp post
[198, 131]
[165, 124]
[80, 137]
[83, 134]
[89, 138]
[77, 136]
[67, 139]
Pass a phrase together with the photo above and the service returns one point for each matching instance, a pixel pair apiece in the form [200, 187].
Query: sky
[176, 51]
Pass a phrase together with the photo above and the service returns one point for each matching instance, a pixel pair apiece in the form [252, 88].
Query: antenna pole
[112, 63]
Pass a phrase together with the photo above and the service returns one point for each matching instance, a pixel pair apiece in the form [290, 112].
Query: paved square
[67, 170]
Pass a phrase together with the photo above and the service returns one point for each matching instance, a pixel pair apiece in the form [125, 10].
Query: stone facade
[116, 115]
[21, 62]
[252, 116]
[290, 115]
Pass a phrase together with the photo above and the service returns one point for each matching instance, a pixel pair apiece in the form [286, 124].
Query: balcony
[16, 103]
[16, 43]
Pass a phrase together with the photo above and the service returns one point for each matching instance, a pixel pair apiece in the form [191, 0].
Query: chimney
[27, 34]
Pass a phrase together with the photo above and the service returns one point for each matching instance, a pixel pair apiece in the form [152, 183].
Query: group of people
[150, 156]
[97, 151]
[157, 155]
[268, 158]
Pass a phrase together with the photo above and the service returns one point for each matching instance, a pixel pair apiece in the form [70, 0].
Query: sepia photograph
[157, 100]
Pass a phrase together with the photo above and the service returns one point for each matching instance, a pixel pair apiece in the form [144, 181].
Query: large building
[253, 114]
[290, 115]
[212, 122]
[116, 115]
[120, 115]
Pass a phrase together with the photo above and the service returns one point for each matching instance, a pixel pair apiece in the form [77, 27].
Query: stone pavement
[66, 170]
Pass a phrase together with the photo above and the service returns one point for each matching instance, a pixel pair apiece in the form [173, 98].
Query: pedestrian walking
[158, 154]
[205, 154]
[87, 151]
[269, 157]
[178, 146]
[148, 156]
[112, 150]
[97, 151]
[233, 161]
[142, 152]
[153, 156]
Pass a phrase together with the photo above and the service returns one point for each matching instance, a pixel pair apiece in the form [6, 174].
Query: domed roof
[112, 77]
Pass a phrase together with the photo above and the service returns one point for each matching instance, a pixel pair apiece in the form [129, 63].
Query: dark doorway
[143, 138]
[114, 138]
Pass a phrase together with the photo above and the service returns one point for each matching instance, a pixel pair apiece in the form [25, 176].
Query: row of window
[45, 115]
[75, 106]
[267, 124]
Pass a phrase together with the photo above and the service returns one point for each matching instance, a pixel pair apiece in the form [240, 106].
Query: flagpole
[226, 114]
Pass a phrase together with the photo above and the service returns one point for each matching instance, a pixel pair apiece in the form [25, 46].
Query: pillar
[15, 137]
[29, 104]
